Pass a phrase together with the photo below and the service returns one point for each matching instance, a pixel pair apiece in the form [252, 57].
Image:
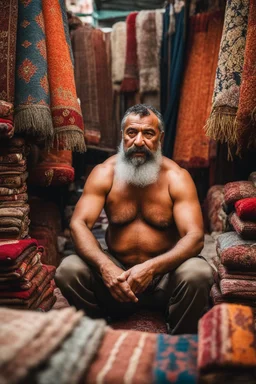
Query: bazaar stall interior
[69, 72]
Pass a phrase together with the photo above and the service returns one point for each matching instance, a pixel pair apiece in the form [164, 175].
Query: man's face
[141, 138]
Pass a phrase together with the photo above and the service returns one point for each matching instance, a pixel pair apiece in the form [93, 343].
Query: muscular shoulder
[102, 175]
[179, 180]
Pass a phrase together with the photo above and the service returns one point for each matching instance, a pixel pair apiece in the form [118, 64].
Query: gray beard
[138, 171]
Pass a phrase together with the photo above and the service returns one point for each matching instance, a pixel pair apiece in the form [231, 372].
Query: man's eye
[148, 134]
[131, 133]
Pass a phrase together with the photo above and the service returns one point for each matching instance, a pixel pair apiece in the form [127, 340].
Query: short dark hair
[143, 110]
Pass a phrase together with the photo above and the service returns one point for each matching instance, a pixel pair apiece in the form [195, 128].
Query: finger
[129, 293]
[123, 276]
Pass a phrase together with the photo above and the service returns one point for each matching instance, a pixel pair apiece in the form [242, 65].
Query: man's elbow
[73, 226]
[199, 242]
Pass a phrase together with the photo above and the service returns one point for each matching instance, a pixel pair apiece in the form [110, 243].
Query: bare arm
[86, 213]
[188, 218]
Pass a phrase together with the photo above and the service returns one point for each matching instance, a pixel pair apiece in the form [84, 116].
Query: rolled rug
[246, 208]
[66, 112]
[32, 113]
[246, 229]
[221, 123]
[54, 168]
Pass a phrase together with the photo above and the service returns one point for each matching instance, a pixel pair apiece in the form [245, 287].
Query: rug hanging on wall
[191, 148]
[32, 96]
[66, 111]
[246, 114]
[104, 90]
[130, 82]
[8, 28]
[220, 125]
[86, 81]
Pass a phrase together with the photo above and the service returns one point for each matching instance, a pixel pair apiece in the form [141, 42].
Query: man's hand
[138, 277]
[120, 290]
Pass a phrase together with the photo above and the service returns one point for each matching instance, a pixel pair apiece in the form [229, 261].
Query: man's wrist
[151, 266]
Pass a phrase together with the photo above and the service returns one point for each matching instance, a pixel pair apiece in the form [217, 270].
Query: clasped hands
[125, 285]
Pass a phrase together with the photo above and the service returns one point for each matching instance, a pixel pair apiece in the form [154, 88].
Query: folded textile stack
[6, 119]
[124, 357]
[45, 227]
[235, 279]
[54, 347]
[226, 345]
[216, 217]
[25, 283]
[14, 209]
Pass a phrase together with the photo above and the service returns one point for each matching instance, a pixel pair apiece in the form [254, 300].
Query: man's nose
[139, 140]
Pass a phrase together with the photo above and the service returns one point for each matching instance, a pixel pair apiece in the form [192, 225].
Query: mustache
[135, 149]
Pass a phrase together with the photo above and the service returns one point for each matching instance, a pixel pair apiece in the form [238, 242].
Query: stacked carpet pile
[53, 347]
[14, 209]
[235, 279]
[45, 227]
[63, 346]
[226, 345]
[213, 209]
[25, 282]
[6, 120]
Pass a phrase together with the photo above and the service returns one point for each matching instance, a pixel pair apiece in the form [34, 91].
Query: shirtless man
[154, 236]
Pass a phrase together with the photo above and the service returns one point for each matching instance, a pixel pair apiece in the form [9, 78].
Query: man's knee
[195, 273]
[71, 269]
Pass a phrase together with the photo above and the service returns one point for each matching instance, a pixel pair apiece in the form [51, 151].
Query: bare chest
[151, 205]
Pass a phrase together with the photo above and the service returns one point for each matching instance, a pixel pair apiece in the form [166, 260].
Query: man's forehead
[141, 121]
